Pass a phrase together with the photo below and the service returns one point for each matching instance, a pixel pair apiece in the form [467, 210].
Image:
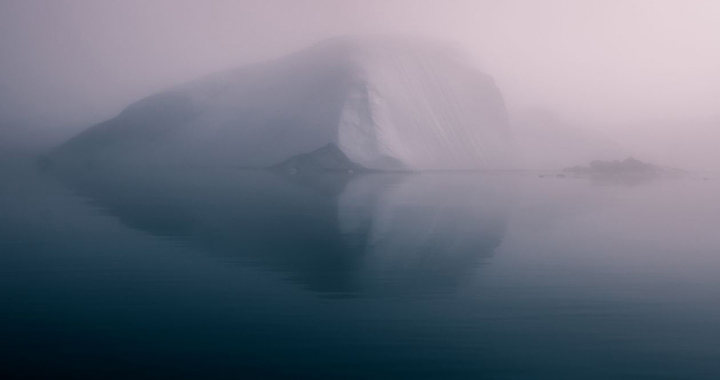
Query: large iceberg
[385, 103]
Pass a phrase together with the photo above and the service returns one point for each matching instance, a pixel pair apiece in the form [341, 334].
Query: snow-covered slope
[387, 103]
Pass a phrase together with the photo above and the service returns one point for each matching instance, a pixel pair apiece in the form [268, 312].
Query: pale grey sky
[611, 65]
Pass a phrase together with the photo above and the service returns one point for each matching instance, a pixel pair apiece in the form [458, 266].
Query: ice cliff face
[385, 103]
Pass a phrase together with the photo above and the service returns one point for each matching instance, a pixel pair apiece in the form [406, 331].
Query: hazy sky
[612, 65]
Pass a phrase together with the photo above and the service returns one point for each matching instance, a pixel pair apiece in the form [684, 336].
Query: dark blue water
[230, 274]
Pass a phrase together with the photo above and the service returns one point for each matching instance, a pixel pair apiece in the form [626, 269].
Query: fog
[360, 189]
[645, 74]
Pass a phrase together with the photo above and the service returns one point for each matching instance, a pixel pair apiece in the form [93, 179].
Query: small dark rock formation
[327, 158]
[629, 169]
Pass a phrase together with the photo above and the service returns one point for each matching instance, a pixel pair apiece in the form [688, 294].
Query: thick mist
[360, 189]
[642, 74]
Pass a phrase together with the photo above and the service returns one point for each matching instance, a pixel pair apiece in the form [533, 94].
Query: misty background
[642, 74]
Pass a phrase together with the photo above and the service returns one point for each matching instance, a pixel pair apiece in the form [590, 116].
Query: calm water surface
[205, 274]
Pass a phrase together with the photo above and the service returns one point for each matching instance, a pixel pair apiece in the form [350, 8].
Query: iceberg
[385, 103]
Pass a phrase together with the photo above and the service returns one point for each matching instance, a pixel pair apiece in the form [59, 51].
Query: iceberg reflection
[335, 233]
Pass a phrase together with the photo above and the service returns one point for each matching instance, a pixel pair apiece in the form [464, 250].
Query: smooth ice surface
[387, 103]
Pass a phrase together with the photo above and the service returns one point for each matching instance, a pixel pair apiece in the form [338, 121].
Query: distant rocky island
[629, 168]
